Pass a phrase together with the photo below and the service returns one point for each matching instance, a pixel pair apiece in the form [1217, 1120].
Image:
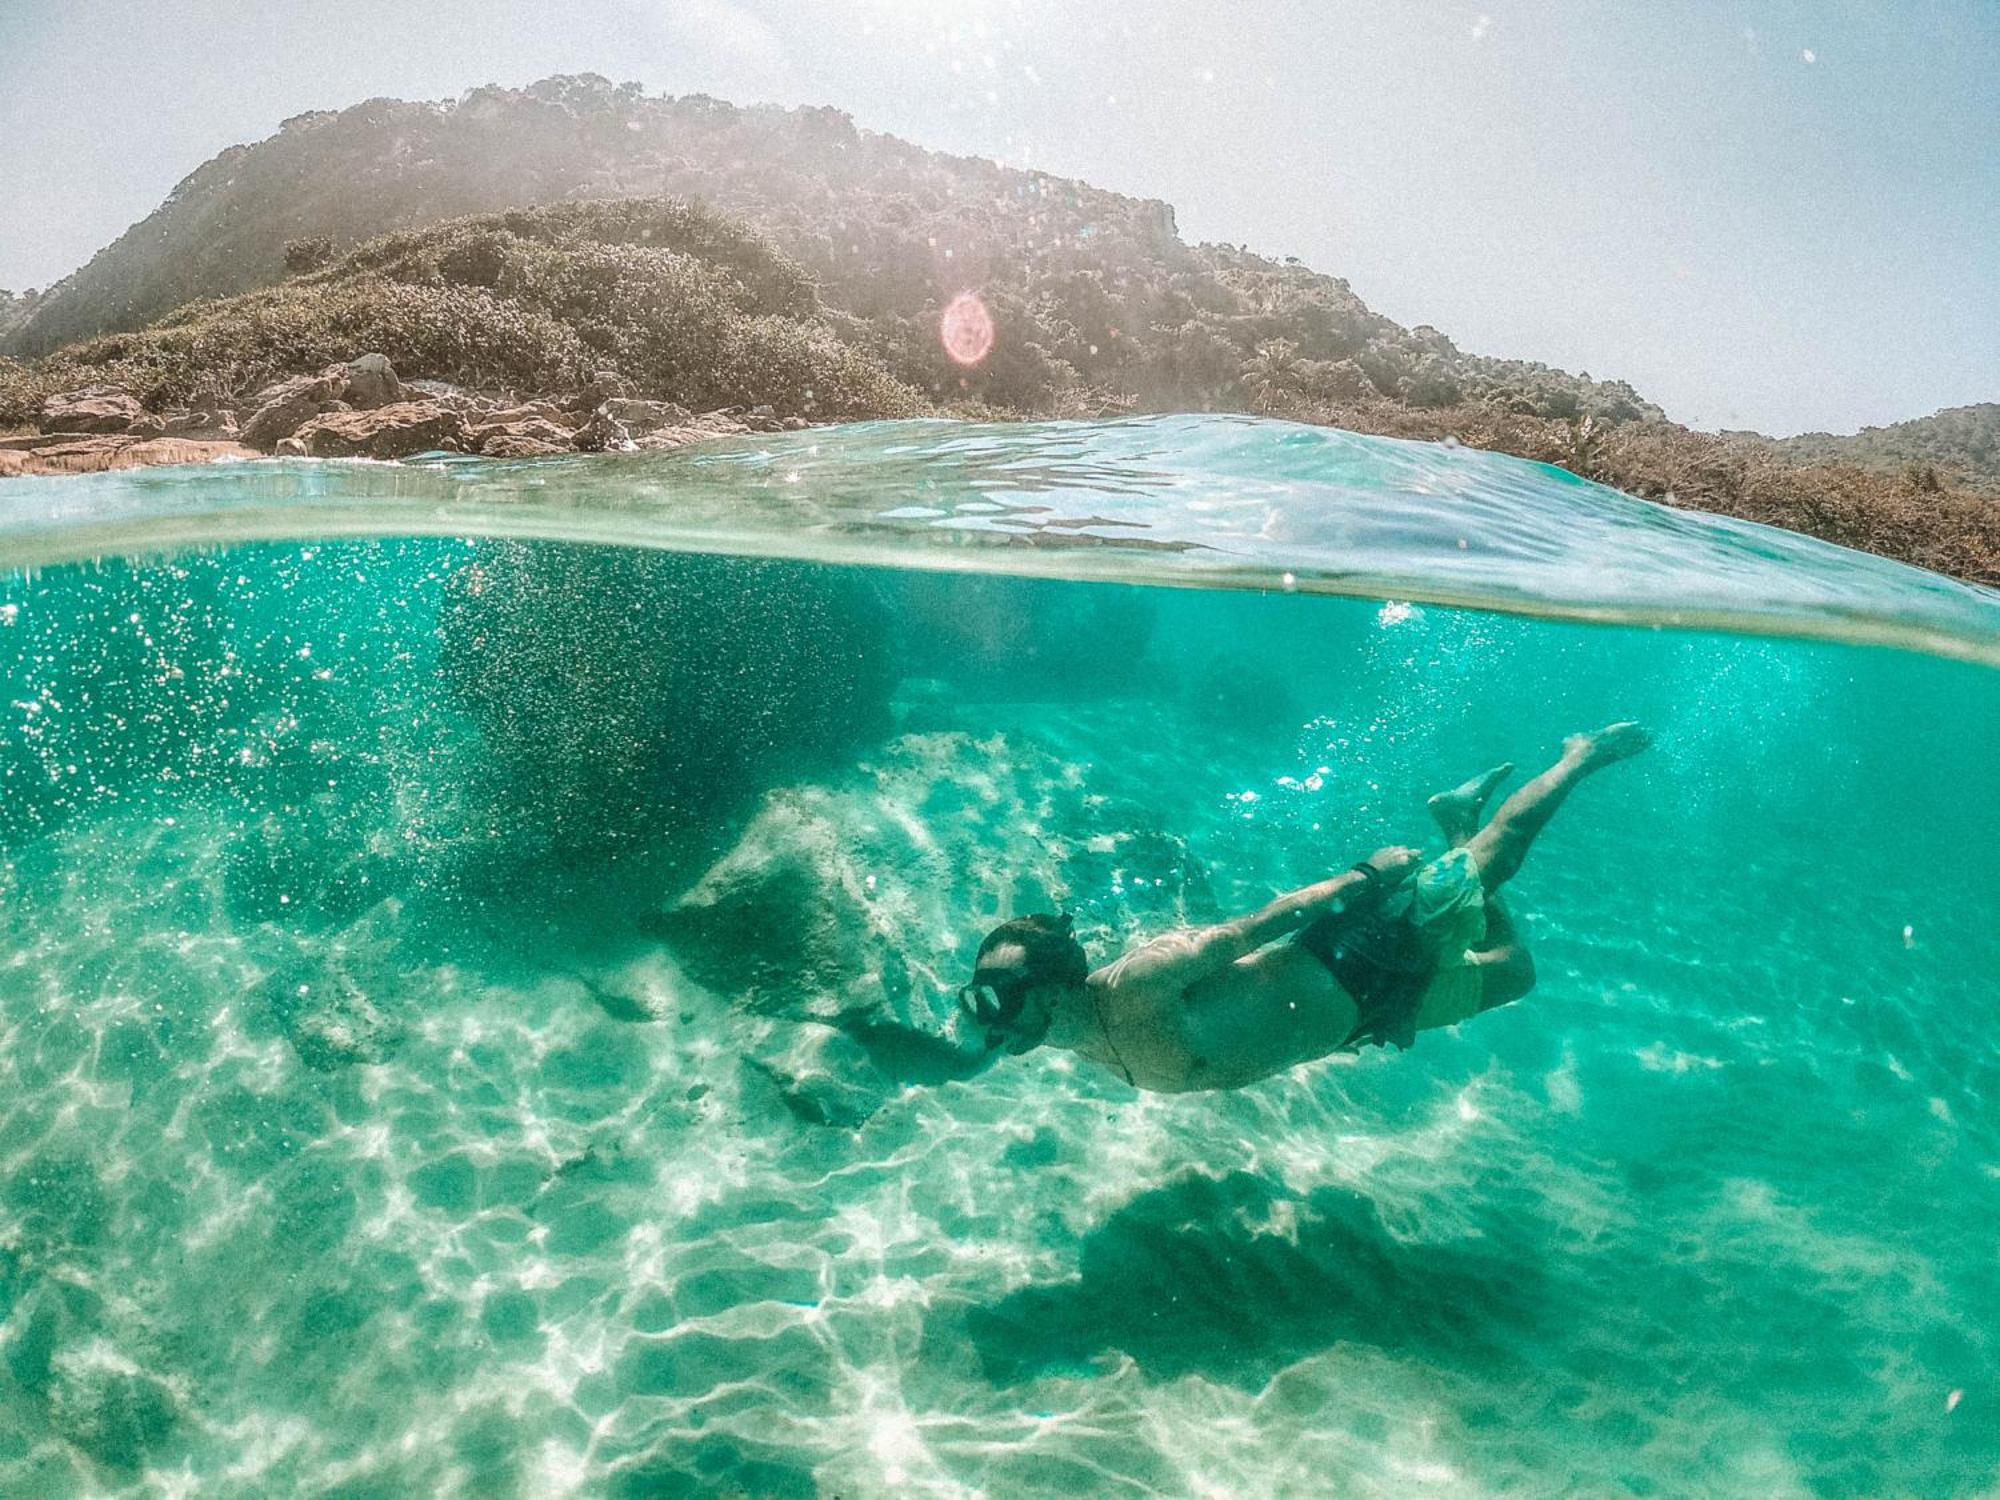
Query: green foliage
[15, 310]
[1961, 442]
[307, 254]
[1586, 446]
[685, 305]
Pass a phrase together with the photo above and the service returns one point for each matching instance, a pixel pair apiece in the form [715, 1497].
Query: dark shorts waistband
[1383, 965]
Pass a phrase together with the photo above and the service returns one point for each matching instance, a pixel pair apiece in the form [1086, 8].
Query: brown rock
[371, 382]
[282, 409]
[603, 433]
[544, 411]
[547, 437]
[93, 455]
[291, 447]
[96, 408]
[386, 432]
[508, 445]
[641, 417]
[201, 424]
[444, 394]
[603, 386]
[673, 437]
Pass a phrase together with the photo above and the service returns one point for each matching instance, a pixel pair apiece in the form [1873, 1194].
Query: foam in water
[449, 1005]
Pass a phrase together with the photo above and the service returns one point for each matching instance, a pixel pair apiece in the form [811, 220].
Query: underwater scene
[480, 996]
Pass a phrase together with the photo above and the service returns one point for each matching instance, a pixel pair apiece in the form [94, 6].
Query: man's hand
[1394, 862]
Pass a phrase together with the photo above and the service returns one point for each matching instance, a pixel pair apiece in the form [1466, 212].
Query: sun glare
[966, 329]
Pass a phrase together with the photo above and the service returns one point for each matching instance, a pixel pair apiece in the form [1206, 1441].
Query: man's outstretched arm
[1184, 958]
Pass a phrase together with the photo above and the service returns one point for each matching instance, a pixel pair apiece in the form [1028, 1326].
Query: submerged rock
[327, 1014]
[860, 904]
[624, 694]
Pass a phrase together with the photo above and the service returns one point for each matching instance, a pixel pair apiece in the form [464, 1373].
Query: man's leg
[1459, 810]
[1502, 844]
[1506, 969]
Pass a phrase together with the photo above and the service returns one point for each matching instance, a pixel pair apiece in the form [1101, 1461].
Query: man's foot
[1614, 742]
[1457, 811]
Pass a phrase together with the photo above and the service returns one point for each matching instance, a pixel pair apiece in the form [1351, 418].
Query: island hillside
[543, 251]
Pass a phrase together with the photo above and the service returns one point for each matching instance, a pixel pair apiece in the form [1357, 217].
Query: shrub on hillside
[681, 303]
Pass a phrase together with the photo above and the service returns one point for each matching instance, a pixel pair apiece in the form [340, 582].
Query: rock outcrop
[520, 437]
[385, 432]
[370, 383]
[604, 433]
[217, 426]
[94, 409]
[94, 455]
[360, 408]
[282, 408]
[640, 418]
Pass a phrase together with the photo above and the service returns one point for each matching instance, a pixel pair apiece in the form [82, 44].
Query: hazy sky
[1777, 215]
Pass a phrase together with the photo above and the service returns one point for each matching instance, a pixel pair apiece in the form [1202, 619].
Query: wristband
[1362, 867]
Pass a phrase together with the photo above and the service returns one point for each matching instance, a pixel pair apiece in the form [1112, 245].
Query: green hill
[1960, 442]
[1098, 300]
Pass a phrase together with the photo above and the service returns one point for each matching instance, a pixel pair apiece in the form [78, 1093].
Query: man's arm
[1181, 959]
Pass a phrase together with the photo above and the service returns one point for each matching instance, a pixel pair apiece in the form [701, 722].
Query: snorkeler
[1390, 947]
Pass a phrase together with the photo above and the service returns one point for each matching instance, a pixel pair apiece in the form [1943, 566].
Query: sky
[1782, 215]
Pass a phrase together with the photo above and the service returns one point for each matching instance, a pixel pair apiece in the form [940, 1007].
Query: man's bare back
[1261, 1014]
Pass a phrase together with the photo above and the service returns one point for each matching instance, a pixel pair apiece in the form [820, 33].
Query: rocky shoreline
[360, 409]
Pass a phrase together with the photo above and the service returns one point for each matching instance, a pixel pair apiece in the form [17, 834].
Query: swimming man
[1388, 948]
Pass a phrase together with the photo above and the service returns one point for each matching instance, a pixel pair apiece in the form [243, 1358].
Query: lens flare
[967, 330]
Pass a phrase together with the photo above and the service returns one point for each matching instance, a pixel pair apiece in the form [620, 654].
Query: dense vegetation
[15, 309]
[1961, 442]
[814, 281]
[678, 301]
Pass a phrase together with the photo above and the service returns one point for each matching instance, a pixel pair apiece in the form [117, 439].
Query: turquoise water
[459, 998]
